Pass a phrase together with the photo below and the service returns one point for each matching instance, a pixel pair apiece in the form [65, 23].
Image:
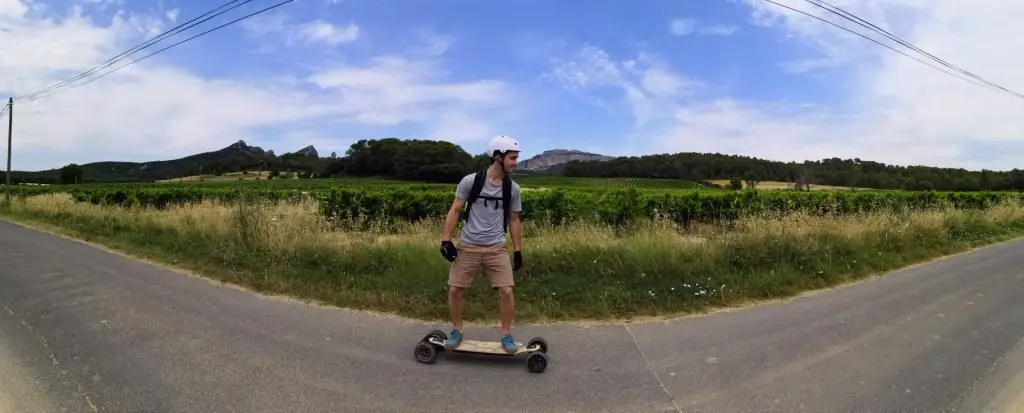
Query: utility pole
[10, 131]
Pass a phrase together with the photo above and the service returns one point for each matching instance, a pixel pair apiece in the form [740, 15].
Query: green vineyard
[370, 200]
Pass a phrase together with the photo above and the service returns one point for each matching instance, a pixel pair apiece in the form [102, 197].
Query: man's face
[511, 160]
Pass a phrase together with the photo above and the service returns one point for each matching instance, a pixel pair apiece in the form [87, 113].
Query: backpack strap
[506, 195]
[474, 192]
[506, 198]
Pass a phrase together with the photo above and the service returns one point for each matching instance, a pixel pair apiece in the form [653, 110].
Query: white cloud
[394, 89]
[461, 127]
[276, 25]
[322, 31]
[780, 131]
[681, 26]
[685, 26]
[659, 81]
[718, 30]
[103, 4]
[172, 15]
[12, 8]
[157, 110]
[648, 87]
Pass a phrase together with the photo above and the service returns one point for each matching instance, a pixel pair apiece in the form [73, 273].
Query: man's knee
[456, 291]
[505, 292]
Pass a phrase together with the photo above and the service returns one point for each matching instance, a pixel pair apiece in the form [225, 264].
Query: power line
[983, 83]
[863, 23]
[173, 45]
[125, 53]
[866, 24]
[177, 29]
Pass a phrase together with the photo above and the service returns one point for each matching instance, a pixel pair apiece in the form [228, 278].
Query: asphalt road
[83, 330]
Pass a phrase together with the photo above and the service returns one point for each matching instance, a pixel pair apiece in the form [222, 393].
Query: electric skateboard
[433, 343]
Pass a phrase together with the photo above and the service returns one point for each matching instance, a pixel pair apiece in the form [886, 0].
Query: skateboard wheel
[537, 362]
[537, 341]
[425, 353]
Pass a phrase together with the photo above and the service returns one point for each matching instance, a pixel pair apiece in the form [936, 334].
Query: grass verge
[575, 273]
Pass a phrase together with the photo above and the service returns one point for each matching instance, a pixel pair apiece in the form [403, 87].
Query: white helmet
[502, 144]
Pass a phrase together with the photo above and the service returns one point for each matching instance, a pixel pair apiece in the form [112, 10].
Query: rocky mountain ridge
[556, 157]
[241, 147]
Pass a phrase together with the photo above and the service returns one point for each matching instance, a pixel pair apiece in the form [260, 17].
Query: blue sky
[618, 78]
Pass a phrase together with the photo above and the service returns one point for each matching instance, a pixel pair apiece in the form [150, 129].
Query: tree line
[855, 172]
[442, 161]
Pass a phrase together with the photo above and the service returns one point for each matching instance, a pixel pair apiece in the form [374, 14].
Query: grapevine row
[413, 202]
[624, 205]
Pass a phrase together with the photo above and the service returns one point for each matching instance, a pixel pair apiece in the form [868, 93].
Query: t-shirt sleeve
[517, 200]
[465, 185]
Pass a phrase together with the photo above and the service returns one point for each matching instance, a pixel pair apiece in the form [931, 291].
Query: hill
[422, 160]
[236, 157]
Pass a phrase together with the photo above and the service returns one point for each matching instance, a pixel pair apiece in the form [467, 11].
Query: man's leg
[455, 300]
[508, 309]
[499, 270]
[461, 275]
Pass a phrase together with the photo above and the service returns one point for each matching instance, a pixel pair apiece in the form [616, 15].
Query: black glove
[517, 260]
[448, 251]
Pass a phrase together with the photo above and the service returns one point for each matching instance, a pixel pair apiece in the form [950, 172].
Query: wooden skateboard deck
[487, 347]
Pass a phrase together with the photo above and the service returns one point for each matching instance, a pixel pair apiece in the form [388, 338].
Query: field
[593, 249]
[230, 176]
[769, 185]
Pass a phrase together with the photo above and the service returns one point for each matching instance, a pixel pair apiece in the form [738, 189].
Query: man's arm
[515, 226]
[452, 219]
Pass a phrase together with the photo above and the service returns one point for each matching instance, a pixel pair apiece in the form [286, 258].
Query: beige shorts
[491, 259]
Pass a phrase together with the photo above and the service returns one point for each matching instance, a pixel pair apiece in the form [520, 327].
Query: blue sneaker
[508, 343]
[454, 338]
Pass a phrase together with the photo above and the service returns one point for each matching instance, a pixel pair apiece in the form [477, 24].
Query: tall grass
[583, 271]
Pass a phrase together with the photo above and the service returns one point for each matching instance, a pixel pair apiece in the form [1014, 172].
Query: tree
[413, 159]
[71, 174]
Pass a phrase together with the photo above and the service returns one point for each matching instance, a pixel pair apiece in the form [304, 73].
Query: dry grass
[287, 226]
[572, 272]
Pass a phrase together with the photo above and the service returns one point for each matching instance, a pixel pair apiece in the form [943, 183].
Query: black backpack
[478, 185]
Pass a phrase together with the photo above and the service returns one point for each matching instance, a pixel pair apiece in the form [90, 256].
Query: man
[482, 242]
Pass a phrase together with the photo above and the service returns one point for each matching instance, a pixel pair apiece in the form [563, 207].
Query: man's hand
[517, 260]
[448, 251]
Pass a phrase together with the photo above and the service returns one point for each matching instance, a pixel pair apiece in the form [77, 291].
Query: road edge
[1000, 390]
[751, 305]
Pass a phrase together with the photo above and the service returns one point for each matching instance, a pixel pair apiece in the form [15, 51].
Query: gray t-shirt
[485, 223]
